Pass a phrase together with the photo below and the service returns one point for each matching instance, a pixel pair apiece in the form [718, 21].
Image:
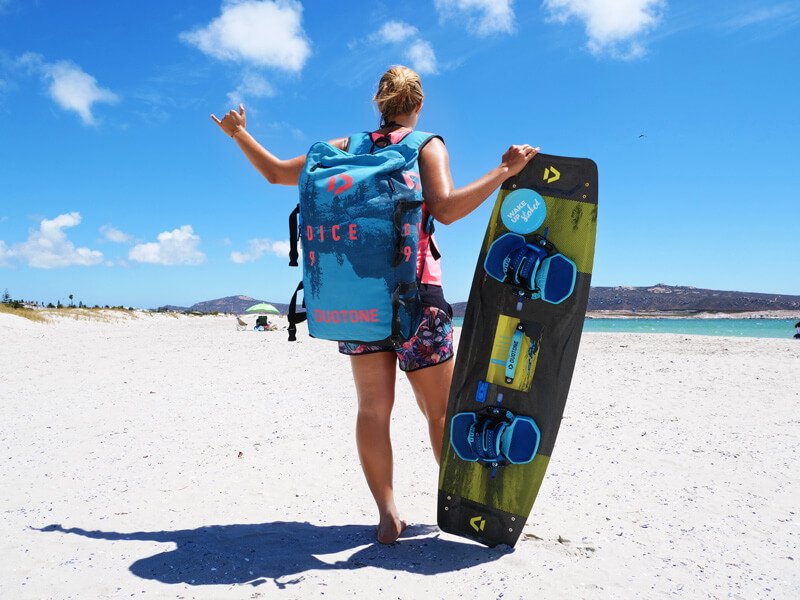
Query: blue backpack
[360, 217]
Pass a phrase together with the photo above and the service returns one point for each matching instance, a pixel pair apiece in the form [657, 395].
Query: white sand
[675, 473]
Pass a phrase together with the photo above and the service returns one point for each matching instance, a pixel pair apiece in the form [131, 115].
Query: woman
[399, 99]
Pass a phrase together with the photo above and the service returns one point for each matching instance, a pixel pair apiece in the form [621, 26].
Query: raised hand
[233, 122]
[516, 157]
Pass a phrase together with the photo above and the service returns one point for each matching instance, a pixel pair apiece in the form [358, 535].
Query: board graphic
[518, 348]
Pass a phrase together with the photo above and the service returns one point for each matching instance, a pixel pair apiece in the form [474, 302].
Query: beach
[676, 314]
[162, 456]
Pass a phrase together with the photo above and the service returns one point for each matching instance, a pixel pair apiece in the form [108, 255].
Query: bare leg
[374, 375]
[431, 387]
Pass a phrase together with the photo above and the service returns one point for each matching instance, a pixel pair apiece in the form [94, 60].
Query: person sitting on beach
[399, 99]
[797, 330]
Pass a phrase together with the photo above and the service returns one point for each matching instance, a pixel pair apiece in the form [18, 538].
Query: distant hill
[459, 308]
[229, 304]
[669, 298]
[658, 298]
[172, 308]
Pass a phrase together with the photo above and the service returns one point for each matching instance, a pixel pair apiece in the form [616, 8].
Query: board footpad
[533, 264]
[494, 436]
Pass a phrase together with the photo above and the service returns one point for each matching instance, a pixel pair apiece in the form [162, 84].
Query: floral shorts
[431, 345]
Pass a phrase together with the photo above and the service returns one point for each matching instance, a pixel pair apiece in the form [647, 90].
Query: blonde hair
[399, 92]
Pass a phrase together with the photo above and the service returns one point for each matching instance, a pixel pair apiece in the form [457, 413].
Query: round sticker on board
[523, 211]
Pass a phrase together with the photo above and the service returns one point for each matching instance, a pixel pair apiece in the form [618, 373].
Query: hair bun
[399, 92]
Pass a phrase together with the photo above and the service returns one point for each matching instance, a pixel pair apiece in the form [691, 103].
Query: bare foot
[390, 528]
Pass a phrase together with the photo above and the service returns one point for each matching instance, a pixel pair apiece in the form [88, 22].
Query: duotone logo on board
[551, 175]
[523, 211]
[478, 523]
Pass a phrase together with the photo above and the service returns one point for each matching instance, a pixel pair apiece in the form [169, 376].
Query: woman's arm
[447, 204]
[283, 172]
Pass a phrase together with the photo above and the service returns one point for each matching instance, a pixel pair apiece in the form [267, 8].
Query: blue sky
[116, 186]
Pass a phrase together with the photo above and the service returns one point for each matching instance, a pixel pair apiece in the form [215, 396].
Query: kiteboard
[518, 347]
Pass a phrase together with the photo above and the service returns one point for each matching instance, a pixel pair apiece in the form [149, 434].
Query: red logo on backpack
[412, 180]
[348, 183]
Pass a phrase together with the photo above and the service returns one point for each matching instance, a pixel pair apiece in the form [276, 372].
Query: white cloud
[419, 53]
[176, 247]
[49, 248]
[259, 247]
[73, 89]
[5, 255]
[786, 13]
[422, 57]
[613, 26]
[484, 17]
[69, 85]
[394, 32]
[31, 60]
[279, 127]
[281, 248]
[112, 234]
[259, 33]
[251, 86]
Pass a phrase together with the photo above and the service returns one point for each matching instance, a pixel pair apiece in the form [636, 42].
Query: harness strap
[430, 228]
[294, 236]
[294, 316]
[434, 249]
[401, 292]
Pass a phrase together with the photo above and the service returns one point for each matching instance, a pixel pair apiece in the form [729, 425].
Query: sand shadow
[256, 553]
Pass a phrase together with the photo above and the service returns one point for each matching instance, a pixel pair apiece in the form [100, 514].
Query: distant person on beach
[797, 330]
[399, 99]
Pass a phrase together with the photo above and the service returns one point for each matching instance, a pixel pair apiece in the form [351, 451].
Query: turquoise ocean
[759, 328]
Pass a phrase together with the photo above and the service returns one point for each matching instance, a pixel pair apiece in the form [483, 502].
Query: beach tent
[264, 308]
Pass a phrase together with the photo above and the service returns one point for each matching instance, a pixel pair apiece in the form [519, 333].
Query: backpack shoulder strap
[365, 142]
[359, 143]
[418, 139]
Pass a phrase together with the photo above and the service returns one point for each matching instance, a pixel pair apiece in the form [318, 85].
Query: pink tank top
[429, 269]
